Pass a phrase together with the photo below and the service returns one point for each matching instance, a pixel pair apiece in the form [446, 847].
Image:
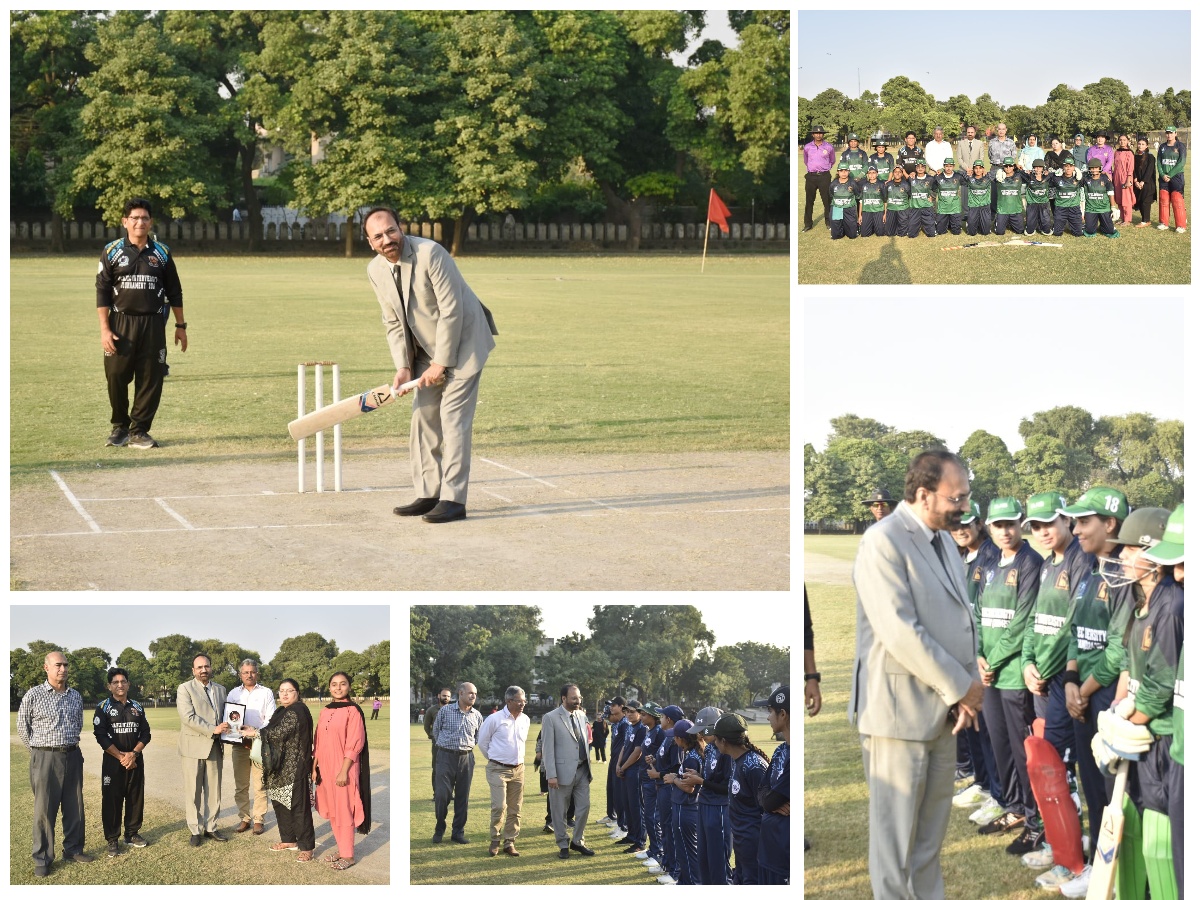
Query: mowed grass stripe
[595, 355]
[450, 863]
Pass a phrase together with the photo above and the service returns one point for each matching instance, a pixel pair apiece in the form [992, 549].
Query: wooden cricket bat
[1108, 842]
[344, 410]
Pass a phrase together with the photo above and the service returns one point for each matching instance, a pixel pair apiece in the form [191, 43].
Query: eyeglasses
[138, 218]
[957, 501]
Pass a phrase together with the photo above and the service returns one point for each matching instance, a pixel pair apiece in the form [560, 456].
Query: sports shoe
[655, 870]
[605, 821]
[1054, 879]
[136, 840]
[989, 812]
[141, 440]
[1089, 234]
[1039, 859]
[617, 833]
[118, 438]
[642, 854]
[667, 879]
[1181, 230]
[113, 849]
[1077, 886]
[649, 862]
[1161, 226]
[963, 772]
[971, 795]
[1006, 822]
[1027, 841]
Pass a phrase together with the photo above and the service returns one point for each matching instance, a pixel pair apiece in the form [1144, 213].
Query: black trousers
[296, 824]
[615, 796]
[1010, 725]
[433, 771]
[815, 182]
[121, 787]
[1068, 218]
[454, 773]
[1038, 217]
[979, 221]
[600, 754]
[1102, 222]
[141, 357]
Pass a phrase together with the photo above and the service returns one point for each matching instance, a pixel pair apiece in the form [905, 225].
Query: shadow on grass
[889, 268]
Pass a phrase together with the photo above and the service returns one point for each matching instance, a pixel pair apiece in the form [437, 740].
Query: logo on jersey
[712, 767]
[1042, 577]
[107, 780]
[152, 260]
[162, 358]
[113, 712]
[1011, 580]
[1102, 594]
[978, 573]
[646, 742]
[1147, 640]
[122, 260]
[990, 575]
[1064, 582]
[734, 787]
[133, 711]
[96, 719]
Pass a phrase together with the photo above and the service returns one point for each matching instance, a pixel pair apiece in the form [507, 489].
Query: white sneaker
[605, 821]
[1161, 227]
[971, 795]
[1054, 879]
[1077, 886]
[1039, 859]
[665, 879]
[655, 870]
[1181, 230]
[641, 854]
[616, 834]
[989, 812]
[649, 862]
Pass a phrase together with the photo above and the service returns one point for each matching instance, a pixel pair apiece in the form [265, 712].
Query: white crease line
[550, 484]
[498, 496]
[362, 490]
[675, 512]
[75, 503]
[174, 515]
[176, 530]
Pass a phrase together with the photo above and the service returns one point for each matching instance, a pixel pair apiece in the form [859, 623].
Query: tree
[511, 657]
[990, 466]
[1073, 428]
[307, 659]
[27, 669]
[421, 654]
[379, 665]
[583, 664]
[724, 683]
[172, 662]
[852, 426]
[135, 663]
[649, 645]
[904, 102]
[357, 666]
[988, 112]
[909, 443]
[764, 665]
[1042, 464]
[89, 672]
[1143, 456]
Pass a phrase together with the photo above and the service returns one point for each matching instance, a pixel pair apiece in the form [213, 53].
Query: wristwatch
[813, 676]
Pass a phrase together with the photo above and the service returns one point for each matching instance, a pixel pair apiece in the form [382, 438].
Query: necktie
[210, 700]
[408, 336]
[941, 554]
[583, 755]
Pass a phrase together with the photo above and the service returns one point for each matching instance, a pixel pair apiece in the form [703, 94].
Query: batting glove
[1106, 758]
[1122, 736]
[1125, 707]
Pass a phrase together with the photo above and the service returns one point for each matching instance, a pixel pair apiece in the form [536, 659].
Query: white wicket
[318, 395]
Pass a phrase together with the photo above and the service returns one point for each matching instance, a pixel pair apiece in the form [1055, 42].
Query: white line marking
[498, 496]
[676, 512]
[74, 502]
[174, 515]
[176, 530]
[519, 472]
[362, 490]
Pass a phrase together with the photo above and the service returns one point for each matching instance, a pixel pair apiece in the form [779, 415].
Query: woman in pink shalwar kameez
[1122, 179]
[340, 758]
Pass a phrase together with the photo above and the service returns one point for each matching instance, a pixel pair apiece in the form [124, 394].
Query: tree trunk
[349, 234]
[253, 207]
[58, 241]
[460, 230]
[629, 210]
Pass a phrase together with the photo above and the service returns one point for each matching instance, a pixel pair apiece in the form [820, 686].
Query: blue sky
[1021, 73]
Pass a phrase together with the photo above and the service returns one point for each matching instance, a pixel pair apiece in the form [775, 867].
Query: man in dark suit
[438, 330]
[201, 704]
[915, 682]
[568, 768]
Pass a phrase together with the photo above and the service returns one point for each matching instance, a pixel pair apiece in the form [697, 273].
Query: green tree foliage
[308, 659]
[991, 468]
[580, 661]
[379, 662]
[26, 667]
[135, 663]
[764, 665]
[649, 645]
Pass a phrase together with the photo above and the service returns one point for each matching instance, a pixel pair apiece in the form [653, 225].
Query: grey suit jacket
[560, 749]
[967, 155]
[916, 643]
[196, 717]
[445, 318]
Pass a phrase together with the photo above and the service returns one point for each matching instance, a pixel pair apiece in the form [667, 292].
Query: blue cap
[674, 712]
[681, 728]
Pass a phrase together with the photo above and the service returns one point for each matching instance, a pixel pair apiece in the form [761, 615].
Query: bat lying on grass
[1012, 243]
[1108, 842]
[344, 410]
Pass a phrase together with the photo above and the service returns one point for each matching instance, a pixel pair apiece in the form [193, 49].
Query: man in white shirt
[502, 743]
[260, 704]
[937, 151]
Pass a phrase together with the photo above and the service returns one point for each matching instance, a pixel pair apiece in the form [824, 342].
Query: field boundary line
[92, 523]
[174, 515]
[550, 484]
[177, 530]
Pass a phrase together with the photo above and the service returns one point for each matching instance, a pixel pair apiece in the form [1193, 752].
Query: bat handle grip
[406, 387]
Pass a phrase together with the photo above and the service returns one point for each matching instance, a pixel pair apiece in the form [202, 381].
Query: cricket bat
[344, 410]
[1108, 842]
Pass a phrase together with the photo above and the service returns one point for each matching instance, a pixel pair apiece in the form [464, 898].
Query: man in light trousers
[502, 743]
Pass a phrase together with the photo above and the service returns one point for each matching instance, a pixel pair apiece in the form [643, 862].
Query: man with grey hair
[938, 150]
[49, 722]
[455, 732]
[260, 705]
[502, 743]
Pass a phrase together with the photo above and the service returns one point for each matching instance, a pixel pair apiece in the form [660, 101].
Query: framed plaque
[235, 715]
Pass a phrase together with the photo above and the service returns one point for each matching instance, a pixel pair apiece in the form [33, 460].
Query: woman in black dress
[1145, 180]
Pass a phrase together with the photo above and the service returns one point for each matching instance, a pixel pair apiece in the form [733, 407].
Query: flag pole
[707, 223]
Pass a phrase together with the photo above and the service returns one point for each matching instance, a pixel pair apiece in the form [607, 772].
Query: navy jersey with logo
[666, 757]
[746, 776]
[909, 158]
[122, 724]
[618, 736]
[691, 761]
[775, 833]
[135, 281]
[650, 744]
[633, 739]
[715, 790]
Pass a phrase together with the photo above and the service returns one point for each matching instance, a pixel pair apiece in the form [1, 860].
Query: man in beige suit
[201, 703]
[915, 683]
[568, 769]
[438, 330]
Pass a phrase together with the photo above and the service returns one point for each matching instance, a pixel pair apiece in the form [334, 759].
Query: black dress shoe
[806, 228]
[633, 848]
[216, 836]
[564, 853]
[196, 840]
[460, 839]
[625, 840]
[579, 848]
[570, 823]
[418, 507]
[546, 829]
[437, 837]
[445, 511]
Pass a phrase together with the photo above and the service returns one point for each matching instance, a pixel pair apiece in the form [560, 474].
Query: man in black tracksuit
[122, 732]
[136, 285]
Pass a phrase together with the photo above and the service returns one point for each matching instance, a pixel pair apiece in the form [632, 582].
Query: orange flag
[717, 211]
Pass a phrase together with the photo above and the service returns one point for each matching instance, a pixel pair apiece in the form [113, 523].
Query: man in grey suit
[201, 703]
[915, 684]
[568, 768]
[438, 329]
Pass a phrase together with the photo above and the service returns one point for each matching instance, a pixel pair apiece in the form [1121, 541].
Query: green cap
[979, 163]
[872, 168]
[1094, 163]
[1100, 501]
[1169, 551]
[1008, 161]
[652, 709]
[948, 161]
[880, 142]
[843, 165]
[921, 163]
[1068, 161]
[1039, 162]
[1170, 128]
[1045, 507]
[1004, 509]
[973, 513]
[852, 136]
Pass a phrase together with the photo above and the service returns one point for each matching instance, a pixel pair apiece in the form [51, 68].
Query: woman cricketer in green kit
[871, 204]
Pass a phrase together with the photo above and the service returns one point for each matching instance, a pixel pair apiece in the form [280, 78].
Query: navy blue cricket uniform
[124, 726]
[1067, 194]
[746, 776]
[715, 836]
[616, 796]
[686, 844]
[775, 833]
[666, 760]
[631, 784]
[843, 220]
[649, 791]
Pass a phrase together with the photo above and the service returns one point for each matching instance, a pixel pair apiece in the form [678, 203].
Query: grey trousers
[560, 798]
[911, 785]
[57, 782]
[202, 791]
[439, 441]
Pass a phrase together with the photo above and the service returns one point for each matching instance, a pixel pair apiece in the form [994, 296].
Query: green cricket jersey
[1048, 634]
[1098, 625]
[1037, 192]
[884, 165]
[949, 200]
[922, 192]
[857, 161]
[872, 197]
[843, 199]
[1010, 588]
[1096, 194]
[1177, 713]
[979, 191]
[1067, 192]
[1154, 644]
[898, 195]
[1008, 195]
[1170, 159]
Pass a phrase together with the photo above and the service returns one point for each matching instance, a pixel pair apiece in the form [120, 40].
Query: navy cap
[780, 699]
[673, 711]
[632, 704]
[682, 727]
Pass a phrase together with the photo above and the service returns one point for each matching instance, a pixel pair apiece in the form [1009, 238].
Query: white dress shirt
[502, 737]
[936, 154]
[260, 704]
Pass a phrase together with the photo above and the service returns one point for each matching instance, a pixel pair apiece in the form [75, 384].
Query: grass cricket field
[632, 411]
[1138, 256]
[245, 859]
[450, 863]
[835, 790]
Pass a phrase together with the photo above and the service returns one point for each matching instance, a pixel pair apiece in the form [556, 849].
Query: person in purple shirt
[1101, 151]
[819, 159]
